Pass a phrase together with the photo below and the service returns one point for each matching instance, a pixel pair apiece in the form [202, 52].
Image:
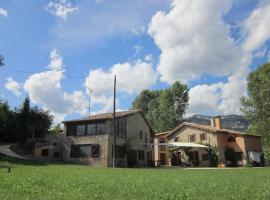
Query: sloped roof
[109, 116]
[163, 133]
[104, 116]
[207, 128]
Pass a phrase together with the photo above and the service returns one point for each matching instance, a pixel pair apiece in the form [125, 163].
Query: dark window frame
[231, 139]
[205, 157]
[75, 151]
[203, 136]
[121, 128]
[141, 155]
[45, 152]
[192, 138]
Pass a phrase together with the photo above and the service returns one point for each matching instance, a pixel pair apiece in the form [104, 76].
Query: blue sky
[55, 50]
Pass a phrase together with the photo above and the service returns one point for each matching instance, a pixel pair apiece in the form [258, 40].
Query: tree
[164, 109]
[1, 61]
[24, 121]
[40, 122]
[56, 129]
[256, 106]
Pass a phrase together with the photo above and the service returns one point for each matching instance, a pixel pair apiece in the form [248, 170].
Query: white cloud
[60, 8]
[3, 12]
[56, 60]
[194, 41]
[45, 89]
[148, 58]
[231, 93]
[256, 27]
[204, 99]
[13, 86]
[131, 78]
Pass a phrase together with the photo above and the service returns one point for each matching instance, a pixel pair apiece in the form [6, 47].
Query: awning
[186, 144]
[181, 144]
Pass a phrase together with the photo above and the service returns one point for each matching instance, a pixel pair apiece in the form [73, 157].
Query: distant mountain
[232, 122]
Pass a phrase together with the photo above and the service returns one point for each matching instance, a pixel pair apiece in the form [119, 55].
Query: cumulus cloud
[256, 27]
[13, 86]
[45, 89]
[219, 98]
[3, 12]
[56, 60]
[60, 8]
[194, 40]
[204, 98]
[131, 79]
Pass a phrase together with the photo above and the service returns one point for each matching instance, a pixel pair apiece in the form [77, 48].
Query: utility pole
[114, 121]
[89, 108]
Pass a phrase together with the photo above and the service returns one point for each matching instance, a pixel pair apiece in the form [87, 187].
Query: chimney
[216, 122]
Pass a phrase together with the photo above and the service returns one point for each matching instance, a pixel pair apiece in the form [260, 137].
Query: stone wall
[135, 124]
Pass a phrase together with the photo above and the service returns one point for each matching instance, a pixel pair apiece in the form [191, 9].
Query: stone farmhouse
[90, 141]
[242, 146]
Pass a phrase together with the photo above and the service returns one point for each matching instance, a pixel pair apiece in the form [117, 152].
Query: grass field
[35, 181]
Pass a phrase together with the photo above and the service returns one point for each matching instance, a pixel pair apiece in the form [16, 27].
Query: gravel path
[4, 149]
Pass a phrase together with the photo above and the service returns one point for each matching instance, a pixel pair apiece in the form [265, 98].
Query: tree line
[20, 124]
[164, 109]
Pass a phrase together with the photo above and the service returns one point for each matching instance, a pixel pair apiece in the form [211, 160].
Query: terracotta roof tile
[207, 128]
[104, 116]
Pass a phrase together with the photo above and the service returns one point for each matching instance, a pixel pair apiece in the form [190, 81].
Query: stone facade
[138, 135]
[215, 136]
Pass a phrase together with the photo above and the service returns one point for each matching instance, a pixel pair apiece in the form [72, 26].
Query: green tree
[164, 109]
[1, 61]
[256, 106]
[24, 121]
[8, 119]
[40, 122]
[56, 129]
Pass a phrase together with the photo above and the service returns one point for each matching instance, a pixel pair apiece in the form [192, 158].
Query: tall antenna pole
[89, 108]
[114, 121]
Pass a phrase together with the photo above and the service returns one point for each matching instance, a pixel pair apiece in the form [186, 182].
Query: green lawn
[40, 181]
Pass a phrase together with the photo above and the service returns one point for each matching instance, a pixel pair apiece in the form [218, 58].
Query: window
[71, 129]
[162, 147]
[205, 157]
[121, 128]
[45, 152]
[84, 150]
[91, 129]
[141, 155]
[145, 139]
[203, 137]
[231, 139]
[56, 154]
[141, 134]
[95, 150]
[119, 151]
[125, 128]
[101, 128]
[149, 156]
[239, 156]
[81, 130]
[192, 138]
